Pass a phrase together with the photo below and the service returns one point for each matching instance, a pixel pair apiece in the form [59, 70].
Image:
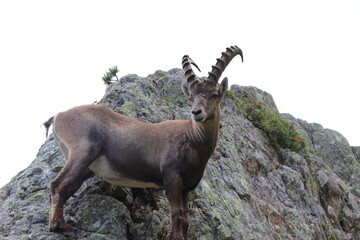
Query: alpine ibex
[126, 152]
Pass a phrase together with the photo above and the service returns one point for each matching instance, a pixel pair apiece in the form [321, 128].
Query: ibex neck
[204, 136]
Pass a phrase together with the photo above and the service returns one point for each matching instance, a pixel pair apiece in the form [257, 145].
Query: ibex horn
[189, 73]
[222, 62]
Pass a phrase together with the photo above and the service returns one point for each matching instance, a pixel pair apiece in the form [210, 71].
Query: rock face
[250, 189]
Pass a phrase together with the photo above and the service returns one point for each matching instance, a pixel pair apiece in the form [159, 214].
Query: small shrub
[110, 75]
[281, 132]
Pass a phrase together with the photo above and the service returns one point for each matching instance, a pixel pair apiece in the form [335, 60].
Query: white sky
[54, 53]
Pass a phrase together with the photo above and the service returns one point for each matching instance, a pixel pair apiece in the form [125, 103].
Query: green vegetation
[110, 75]
[127, 108]
[330, 235]
[281, 132]
[169, 99]
[341, 217]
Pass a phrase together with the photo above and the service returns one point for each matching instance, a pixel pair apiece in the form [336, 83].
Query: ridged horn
[221, 63]
[189, 73]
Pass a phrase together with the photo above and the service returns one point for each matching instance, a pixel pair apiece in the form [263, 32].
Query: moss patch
[281, 132]
[128, 108]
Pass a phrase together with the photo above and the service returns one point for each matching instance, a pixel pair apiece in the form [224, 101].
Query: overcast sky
[53, 55]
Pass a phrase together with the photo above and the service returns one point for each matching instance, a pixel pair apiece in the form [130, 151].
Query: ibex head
[205, 95]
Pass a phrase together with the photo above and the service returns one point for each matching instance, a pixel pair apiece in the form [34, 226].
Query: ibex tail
[47, 125]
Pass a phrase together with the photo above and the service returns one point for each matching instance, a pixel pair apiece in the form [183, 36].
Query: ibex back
[171, 155]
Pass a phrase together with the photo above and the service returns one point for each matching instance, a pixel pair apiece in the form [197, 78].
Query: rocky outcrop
[251, 189]
[255, 94]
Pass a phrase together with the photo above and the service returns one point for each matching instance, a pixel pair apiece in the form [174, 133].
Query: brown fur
[171, 155]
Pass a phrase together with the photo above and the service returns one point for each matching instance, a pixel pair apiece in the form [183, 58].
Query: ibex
[126, 152]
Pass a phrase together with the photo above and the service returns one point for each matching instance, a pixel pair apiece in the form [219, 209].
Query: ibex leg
[185, 224]
[173, 190]
[69, 180]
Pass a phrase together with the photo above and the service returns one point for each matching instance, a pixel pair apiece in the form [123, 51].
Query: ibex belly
[102, 167]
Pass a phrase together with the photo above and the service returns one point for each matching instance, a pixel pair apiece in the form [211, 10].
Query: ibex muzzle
[198, 109]
[126, 152]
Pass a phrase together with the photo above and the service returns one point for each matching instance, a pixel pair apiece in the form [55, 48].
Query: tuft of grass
[341, 217]
[281, 132]
[169, 99]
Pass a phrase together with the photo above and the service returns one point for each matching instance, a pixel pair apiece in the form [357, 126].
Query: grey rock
[250, 190]
[356, 151]
[255, 94]
[322, 178]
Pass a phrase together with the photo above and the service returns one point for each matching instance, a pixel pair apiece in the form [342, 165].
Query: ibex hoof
[62, 227]
[177, 238]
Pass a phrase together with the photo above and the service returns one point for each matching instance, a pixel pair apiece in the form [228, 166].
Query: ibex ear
[223, 87]
[185, 88]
